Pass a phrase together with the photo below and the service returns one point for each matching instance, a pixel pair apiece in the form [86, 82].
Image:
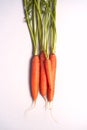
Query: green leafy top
[40, 16]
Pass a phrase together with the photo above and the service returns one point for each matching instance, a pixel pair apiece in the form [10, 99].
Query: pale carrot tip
[45, 102]
[27, 110]
[47, 105]
[34, 104]
[50, 105]
[30, 108]
[44, 97]
[53, 117]
[55, 120]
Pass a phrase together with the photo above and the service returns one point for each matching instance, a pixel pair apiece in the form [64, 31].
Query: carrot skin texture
[43, 80]
[50, 92]
[48, 73]
[35, 72]
[53, 66]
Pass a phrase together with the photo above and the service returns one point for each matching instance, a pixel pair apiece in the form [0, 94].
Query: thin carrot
[53, 66]
[52, 43]
[50, 92]
[43, 79]
[31, 12]
[35, 69]
[48, 73]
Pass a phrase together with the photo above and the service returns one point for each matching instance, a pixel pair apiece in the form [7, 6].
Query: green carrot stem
[31, 27]
[40, 22]
[53, 25]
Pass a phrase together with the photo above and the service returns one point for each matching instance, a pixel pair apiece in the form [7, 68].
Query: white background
[70, 101]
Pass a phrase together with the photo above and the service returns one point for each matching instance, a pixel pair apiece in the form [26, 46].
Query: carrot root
[48, 72]
[43, 79]
[53, 66]
[30, 108]
[35, 77]
[50, 92]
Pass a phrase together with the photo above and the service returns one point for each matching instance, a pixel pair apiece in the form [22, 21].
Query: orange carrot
[50, 92]
[48, 73]
[43, 80]
[35, 68]
[53, 66]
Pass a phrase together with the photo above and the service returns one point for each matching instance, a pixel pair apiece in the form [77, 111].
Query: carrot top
[40, 16]
[34, 23]
[53, 26]
[48, 10]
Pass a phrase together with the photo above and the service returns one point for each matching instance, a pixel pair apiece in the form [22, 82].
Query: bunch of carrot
[40, 16]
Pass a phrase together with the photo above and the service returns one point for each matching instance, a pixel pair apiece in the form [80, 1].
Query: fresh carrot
[52, 43]
[50, 92]
[35, 69]
[53, 66]
[40, 16]
[43, 79]
[48, 73]
[31, 12]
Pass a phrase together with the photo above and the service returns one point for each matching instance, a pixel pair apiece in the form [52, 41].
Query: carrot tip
[34, 104]
[55, 120]
[45, 102]
[50, 105]
[52, 116]
[27, 110]
[44, 97]
[46, 105]
[30, 108]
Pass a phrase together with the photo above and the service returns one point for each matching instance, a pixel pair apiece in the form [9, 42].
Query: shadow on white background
[70, 101]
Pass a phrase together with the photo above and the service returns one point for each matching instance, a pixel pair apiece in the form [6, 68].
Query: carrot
[48, 73]
[50, 92]
[35, 69]
[34, 24]
[43, 80]
[52, 46]
[40, 17]
[53, 66]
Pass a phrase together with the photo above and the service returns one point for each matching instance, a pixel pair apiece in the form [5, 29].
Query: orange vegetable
[35, 72]
[53, 66]
[50, 92]
[48, 73]
[43, 79]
